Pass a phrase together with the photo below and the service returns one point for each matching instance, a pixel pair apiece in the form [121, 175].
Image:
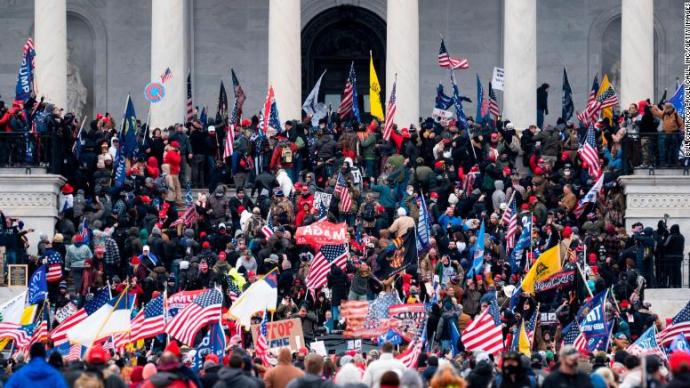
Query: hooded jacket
[281, 375]
[37, 373]
[233, 377]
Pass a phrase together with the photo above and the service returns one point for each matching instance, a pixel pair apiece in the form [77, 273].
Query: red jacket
[173, 159]
[152, 167]
[276, 161]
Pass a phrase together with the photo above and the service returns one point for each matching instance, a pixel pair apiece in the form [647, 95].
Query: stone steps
[667, 302]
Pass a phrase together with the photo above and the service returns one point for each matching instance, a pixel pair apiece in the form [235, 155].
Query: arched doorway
[335, 38]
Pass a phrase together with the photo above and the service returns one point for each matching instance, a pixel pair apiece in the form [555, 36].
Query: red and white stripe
[229, 140]
[267, 231]
[666, 336]
[186, 324]
[146, 328]
[74, 353]
[511, 232]
[40, 333]
[54, 273]
[15, 333]
[166, 76]
[390, 113]
[483, 334]
[190, 105]
[410, 356]
[59, 334]
[319, 269]
[29, 45]
[346, 102]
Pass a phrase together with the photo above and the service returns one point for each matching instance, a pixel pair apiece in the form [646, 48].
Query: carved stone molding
[658, 201]
[13, 200]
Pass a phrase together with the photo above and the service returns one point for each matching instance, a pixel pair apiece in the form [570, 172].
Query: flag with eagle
[401, 254]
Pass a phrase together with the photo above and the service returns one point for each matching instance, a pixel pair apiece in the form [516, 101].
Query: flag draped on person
[343, 192]
[312, 107]
[390, 112]
[59, 333]
[25, 75]
[320, 267]
[680, 324]
[546, 265]
[150, 321]
[485, 331]
[590, 197]
[261, 295]
[375, 106]
[448, 62]
[189, 111]
[239, 99]
[591, 112]
[589, 154]
[607, 98]
[567, 106]
[54, 262]
[348, 102]
[205, 309]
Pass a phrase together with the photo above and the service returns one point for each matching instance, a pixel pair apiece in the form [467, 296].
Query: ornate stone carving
[76, 91]
[13, 200]
[658, 201]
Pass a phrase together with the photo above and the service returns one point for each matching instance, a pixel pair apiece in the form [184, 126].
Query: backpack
[369, 212]
[286, 154]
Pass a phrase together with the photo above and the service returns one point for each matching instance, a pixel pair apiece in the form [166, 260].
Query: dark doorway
[335, 38]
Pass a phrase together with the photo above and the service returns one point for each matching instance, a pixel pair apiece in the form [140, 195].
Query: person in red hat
[96, 359]
[171, 372]
[173, 159]
[284, 155]
[679, 363]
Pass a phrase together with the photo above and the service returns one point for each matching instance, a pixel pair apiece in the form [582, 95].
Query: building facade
[109, 48]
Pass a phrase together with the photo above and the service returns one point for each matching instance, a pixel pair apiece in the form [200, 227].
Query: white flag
[312, 107]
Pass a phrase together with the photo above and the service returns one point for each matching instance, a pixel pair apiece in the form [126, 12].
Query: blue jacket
[387, 197]
[36, 373]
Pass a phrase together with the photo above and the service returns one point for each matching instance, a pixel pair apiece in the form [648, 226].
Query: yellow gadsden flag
[546, 265]
[374, 91]
[524, 346]
[605, 85]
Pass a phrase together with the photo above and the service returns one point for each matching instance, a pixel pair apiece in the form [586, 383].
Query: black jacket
[231, 377]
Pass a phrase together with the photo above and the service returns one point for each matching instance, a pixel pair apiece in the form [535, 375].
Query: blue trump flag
[38, 286]
[454, 337]
[423, 226]
[25, 76]
[523, 243]
[678, 100]
[442, 101]
[679, 344]
[477, 254]
[480, 98]
[594, 325]
[457, 100]
[128, 134]
[212, 343]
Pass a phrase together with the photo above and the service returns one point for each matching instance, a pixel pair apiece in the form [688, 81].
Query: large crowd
[148, 233]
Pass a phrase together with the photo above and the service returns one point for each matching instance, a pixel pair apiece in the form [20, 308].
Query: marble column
[637, 51]
[402, 58]
[285, 56]
[168, 49]
[520, 62]
[50, 41]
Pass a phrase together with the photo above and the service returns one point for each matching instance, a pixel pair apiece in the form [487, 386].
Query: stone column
[285, 56]
[520, 62]
[402, 57]
[50, 40]
[637, 51]
[168, 49]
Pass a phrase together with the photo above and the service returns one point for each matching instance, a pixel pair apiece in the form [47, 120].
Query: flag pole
[119, 298]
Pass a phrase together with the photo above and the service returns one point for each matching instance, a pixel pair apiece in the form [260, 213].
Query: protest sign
[322, 233]
[497, 79]
[287, 332]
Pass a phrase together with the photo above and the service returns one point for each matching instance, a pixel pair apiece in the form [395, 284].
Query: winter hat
[679, 362]
[173, 348]
[137, 375]
[97, 355]
[567, 232]
[453, 199]
[67, 189]
[58, 238]
[402, 212]
[222, 256]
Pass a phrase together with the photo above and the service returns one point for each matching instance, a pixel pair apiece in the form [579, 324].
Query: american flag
[150, 321]
[573, 336]
[266, 114]
[608, 98]
[190, 105]
[591, 196]
[54, 259]
[267, 229]
[410, 356]
[679, 324]
[531, 325]
[485, 332]
[40, 333]
[348, 102]
[446, 62]
[75, 352]
[84, 232]
[189, 217]
[29, 45]
[512, 216]
[321, 265]
[262, 343]
[468, 182]
[493, 103]
[484, 106]
[14, 332]
[355, 314]
[588, 153]
[344, 193]
[205, 309]
[233, 291]
[229, 139]
[390, 114]
[59, 334]
[239, 99]
[591, 111]
[166, 76]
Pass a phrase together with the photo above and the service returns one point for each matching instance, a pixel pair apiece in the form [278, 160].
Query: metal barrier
[24, 149]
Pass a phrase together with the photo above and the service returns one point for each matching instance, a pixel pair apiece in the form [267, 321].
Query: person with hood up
[37, 372]
[218, 206]
[281, 375]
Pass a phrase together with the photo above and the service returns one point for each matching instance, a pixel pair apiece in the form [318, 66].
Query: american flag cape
[390, 113]
[591, 111]
[447, 62]
[267, 229]
[327, 256]
[348, 102]
[343, 193]
[150, 321]
[679, 324]
[54, 259]
[588, 153]
[205, 309]
[59, 334]
[485, 332]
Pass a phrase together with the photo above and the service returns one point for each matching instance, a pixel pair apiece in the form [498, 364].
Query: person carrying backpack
[284, 156]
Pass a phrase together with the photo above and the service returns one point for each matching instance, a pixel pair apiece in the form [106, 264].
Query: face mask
[410, 192]
[446, 154]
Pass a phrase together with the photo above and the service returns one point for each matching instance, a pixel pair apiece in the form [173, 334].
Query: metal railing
[24, 149]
